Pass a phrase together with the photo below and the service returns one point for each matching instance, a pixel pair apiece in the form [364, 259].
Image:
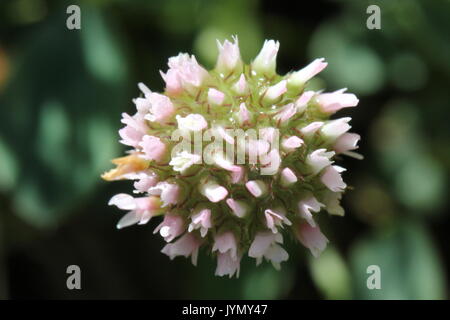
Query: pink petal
[153, 147]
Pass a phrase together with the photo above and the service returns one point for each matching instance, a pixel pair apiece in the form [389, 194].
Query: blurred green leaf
[331, 275]
[265, 282]
[8, 167]
[410, 266]
[61, 131]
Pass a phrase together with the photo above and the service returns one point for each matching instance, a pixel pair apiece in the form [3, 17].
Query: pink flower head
[141, 209]
[335, 101]
[229, 56]
[308, 205]
[184, 73]
[153, 147]
[168, 192]
[266, 244]
[134, 130]
[226, 242]
[299, 78]
[332, 179]
[276, 218]
[201, 220]
[171, 227]
[186, 246]
[227, 265]
[266, 60]
[312, 238]
[221, 155]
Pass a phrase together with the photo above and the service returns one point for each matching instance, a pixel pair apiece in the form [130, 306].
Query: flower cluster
[227, 207]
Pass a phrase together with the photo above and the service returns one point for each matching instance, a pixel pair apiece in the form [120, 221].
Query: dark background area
[62, 92]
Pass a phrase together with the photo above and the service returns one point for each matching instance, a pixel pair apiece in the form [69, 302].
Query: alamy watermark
[73, 21]
[227, 147]
[374, 20]
[74, 279]
[374, 280]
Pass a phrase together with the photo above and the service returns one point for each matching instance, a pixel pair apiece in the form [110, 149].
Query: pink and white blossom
[168, 192]
[184, 73]
[346, 142]
[241, 87]
[235, 157]
[192, 122]
[299, 78]
[201, 220]
[153, 148]
[244, 115]
[257, 188]
[302, 102]
[267, 245]
[213, 191]
[184, 160]
[171, 227]
[186, 246]
[287, 177]
[307, 206]
[276, 91]
[215, 96]
[319, 159]
[332, 178]
[227, 265]
[239, 208]
[286, 113]
[226, 242]
[265, 62]
[312, 238]
[141, 209]
[335, 128]
[134, 130]
[311, 128]
[145, 180]
[335, 101]
[291, 143]
[229, 56]
[276, 218]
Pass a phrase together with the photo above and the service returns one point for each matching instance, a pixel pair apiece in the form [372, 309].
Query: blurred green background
[62, 92]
